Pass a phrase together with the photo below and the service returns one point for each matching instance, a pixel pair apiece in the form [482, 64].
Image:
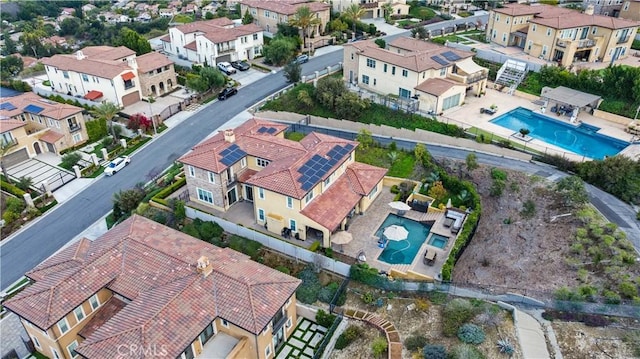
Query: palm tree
[108, 111]
[304, 19]
[353, 12]
[387, 8]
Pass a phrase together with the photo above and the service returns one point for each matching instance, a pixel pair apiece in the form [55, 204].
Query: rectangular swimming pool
[582, 140]
[403, 252]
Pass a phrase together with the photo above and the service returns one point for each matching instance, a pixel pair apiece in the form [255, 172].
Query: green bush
[283, 269]
[455, 314]
[498, 174]
[10, 216]
[8, 187]
[379, 346]
[434, 352]
[328, 292]
[15, 205]
[191, 230]
[364, 274]
[246, 246]
[466, 351]
[308, 291]
[415, 342]
[96, 129]
[160, 197]
[611, 297]
[70, 159]
[324, 319]
[315, 246]
[209, 230]
[367, 298]
[471, 334]
[348, 336]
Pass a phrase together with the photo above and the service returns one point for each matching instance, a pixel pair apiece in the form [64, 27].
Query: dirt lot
[511, 251]
[578, 341]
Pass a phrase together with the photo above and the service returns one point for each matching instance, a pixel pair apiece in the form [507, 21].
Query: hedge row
[160, 197]
[8, 187]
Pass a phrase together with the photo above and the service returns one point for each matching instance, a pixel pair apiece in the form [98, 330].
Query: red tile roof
[191, 46]
[437, 86]
[230, 34]
[107, 52]
[108, 310]
[205, 26]
[152, 61]
[93, 95]
[286, 7]
[51, 136]
[8, 125]
[51, 109]
[563, 18]
[155, 267]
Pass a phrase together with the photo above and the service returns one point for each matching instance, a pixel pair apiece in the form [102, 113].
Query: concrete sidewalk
[531, 336]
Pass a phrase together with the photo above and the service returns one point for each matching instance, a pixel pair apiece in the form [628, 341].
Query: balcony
[624, 39]
[223, 345]
[225, 49]
[468, 79]
[580, 44]
[74, 127]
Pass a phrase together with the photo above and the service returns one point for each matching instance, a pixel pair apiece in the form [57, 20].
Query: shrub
[528, 209]
[505, 347]
[246, 246]
[498, 174]
[314, 246]
[325, 319]
[310, 287]
[434, 352]
[456, 313]
[348, 336]
[471, 334]
[10, 216]
[209, 230]
[415, 341]
[466, 351]
[283, 269]
[328, 292]
[628, 290]
[15, 205]
[191, 230]
[367, 298]
[379, 346]
[70, 159]
[611, 297]
[8, 187]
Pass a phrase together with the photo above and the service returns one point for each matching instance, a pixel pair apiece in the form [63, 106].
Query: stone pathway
[393, 337]
[304, 341]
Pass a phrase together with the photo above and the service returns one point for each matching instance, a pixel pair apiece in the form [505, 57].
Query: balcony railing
[468, 79]
[624, 39]
[579, 43]
[8, 143]
[74, 127]
[225, 49]
[278, 322]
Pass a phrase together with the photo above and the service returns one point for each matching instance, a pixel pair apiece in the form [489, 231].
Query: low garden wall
[612, 117]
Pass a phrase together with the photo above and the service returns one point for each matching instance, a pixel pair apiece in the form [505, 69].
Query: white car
[116, 165]
[226, 68]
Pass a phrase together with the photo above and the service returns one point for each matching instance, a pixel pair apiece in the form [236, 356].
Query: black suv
[240, 65]
[227, 92]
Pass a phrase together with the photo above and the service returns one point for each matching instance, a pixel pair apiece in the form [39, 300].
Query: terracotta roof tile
[224, 34]
[205, 26]
[51, 109]
[436, 86]
[151, 61]
[96, 67]
[8, 125]
[105, 312]
[107, 52]
[563, 18]
[286, 7]
[51, 136]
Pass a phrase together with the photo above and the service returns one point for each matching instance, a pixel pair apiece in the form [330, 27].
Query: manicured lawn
[403, 23]
[183, 18]
[378, 156]
[422, 12]
[451, 38]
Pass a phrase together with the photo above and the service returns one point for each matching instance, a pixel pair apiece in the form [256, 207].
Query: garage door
[130, 99]
[14, 158]
[225, 58]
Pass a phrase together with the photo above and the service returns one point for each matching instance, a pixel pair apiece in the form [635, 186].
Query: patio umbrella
[449, 205]
[395, 233]
[400, 206]
[341, 237]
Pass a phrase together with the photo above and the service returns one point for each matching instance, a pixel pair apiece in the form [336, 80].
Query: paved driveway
[40, 171]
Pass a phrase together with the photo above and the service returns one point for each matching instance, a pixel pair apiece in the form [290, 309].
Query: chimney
[131, 62]
[589, 10]
[204, 267]
[229, 136]
[80, 55]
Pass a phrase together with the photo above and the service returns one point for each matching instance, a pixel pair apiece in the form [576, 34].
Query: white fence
[276, 244]
[495, 56]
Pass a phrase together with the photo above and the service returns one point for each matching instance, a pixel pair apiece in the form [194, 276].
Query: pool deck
[468, 115]
[364, 227]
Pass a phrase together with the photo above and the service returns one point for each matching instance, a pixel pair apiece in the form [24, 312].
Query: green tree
[247, 18]
[388, 11]
[10, 46]
[11, 66]
[618, 175]
[107, 111]
[350, 106]
[134, 41]
[353, 12]
[293, 72]
[70, 159]
[280, 50]
[69, 26]
[209, 15]
[213, 77]
[379, 346]
[572, 190]
[419, 32]
[381, 43]
[365, 139]
[25, 183]
[129, 200]
[328, 90]
[32, 36]
[222, 11]
[196, 83]
[304, 19]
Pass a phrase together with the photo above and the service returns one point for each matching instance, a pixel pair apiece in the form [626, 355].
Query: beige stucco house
[143, 290]
[437, 76]
[561, 35]
[306, 190]
[373, 9]
[630, 10]
[47, 126]
[268, 14]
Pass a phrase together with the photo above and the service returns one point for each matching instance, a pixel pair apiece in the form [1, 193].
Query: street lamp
[153, 121]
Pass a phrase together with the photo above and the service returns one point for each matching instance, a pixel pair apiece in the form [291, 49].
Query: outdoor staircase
[393, 337]
[511, 74]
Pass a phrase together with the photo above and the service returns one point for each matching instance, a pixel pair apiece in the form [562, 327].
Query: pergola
[570, 97]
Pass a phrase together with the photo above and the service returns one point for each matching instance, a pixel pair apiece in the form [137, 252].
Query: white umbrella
[395, 233]
[341, 237]
[449, 205]
[400, 206]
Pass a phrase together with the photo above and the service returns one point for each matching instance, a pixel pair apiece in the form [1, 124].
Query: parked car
[226, 68]
[240, 65]
[301, 59]
[116, 165]
[227, 92]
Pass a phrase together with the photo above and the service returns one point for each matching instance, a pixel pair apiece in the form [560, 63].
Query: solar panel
[226, 161]
[349, 147]
[33, 109]
[307, 186]
[262, 129]
[271, 130]
[7, 106]
[451, 56]
[439, 60]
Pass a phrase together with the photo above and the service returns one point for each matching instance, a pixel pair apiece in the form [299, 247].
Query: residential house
[373, 9]
[27, 61]
[437, 76]
[630, 10]
[55, 41]
[212, 41]
[191, 8]
[307, 189]
[561, 35]
[157, 74]
[47, 126]
[604, 7]
[212, 7]
[167, 12]
[268, 14]
[68, 11]
[88, 7]
[143, 290]
[143, 17]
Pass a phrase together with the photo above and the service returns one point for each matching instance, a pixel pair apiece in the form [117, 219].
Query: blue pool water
[439, 241]
[582, 140]
[403, 252]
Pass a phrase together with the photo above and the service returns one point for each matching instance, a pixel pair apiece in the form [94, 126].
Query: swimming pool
[582, 139]
[403, 252]
[438, 241]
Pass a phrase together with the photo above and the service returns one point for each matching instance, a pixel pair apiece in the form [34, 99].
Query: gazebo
[569, 101]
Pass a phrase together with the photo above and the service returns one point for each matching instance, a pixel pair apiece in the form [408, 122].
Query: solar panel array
[231, 155]
[440, 60]
[7, 106]
[33, 109]
[318, 166]
[451, 56]
[269, 130]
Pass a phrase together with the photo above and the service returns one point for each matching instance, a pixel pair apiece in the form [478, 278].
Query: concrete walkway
[532, 340]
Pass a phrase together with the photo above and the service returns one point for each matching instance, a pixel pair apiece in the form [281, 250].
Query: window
[260, 193]
[493, 34]
[55, 354]
[384, 67]
[63, 325]
[207, 334]
[85, 78]
[51, 123]
[352, 56]
[544, 50]
[292, 225]
[371, 63]
[374, 82]
[71, 348]
[506, 20]
[365, 79]
[529, 44]
[95, 303]
[267, 351]
[289, 202]
[497, 18]
[267, 13]
[289, 322]
[373, 192]
[548, 32]
[79, 312]
[393, 70]
[243, 162]
[65, 74]
[261, 215]
[405, 73]
[504, 37]
[36, 342]
[205, 196]
[443, 71]
[225, 323]
[77, 137]
[212, 177]
[533, 28]
[255, 36]
[626, 6]
[192, 171]
[308, 197]
[594, 30]
[260, 162]
[403, 93]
